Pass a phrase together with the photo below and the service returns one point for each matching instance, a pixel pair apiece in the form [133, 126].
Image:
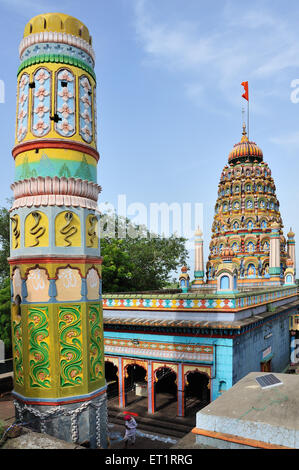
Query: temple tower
[55, 262]
[245, 211]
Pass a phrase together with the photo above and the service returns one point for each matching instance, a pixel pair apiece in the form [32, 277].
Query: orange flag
[245, 95]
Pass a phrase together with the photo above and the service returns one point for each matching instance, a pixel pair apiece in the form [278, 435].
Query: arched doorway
[135, 383]
[197, 392]
[165, 388]
[111, 375]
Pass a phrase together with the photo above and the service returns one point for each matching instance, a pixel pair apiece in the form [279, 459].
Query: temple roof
[245, 149]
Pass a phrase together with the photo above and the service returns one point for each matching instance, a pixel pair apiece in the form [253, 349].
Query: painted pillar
[293, 345]
[291, 248]
[181, 391]
[199, 259]
[150, 389]
[121, 384]
[55, 248]
[274, 261]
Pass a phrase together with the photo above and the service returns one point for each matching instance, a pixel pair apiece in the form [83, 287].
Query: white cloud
[255, 46]
[290, 140]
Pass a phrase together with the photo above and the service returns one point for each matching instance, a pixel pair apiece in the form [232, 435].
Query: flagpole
[248, 117]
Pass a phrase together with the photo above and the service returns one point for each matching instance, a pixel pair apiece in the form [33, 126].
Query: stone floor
[166, 408]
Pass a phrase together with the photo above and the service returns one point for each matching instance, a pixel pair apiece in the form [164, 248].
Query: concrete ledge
[33, 440]
[237, 439]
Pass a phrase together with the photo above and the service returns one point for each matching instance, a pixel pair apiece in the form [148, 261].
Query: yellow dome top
[245, 149]
[59, 23]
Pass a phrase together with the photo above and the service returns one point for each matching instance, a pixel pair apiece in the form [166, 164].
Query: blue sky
[169, 94]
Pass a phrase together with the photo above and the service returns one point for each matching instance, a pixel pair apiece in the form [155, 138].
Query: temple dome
[245, 150]
[59, 23]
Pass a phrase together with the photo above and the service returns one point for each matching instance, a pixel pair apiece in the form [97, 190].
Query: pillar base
[83, 421]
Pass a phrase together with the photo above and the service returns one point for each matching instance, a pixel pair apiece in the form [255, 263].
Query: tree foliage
[5, 323]
[4, 243]
[140, 260]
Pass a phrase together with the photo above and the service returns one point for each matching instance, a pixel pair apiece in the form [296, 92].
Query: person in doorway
[130, 435]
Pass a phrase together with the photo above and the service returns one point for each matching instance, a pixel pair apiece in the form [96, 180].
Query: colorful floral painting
[22, 113]
[65, 103]
[85, 99]
[41, 102]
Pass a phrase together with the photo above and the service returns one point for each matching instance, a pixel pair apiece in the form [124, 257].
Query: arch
[165, 380]
[17, 283]
[111, 375]
[249, 224]
[37, 285]
[235, 246]
[222, 386]
[289, 279]
[85, 109]
[65, 102]
[22, 107]
[224, 282]
[93, 284]
[67, 229]
[236, 224]
[41, 102]
[135, 380]
[251, 270]
[36, 230]
[197, 386]
[250, 246]
[249, 203]
[68, 284]
[265, 245]
[236, 205]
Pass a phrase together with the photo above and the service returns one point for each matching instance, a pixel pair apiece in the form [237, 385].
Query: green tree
[4, 243]
[5, 324]
[139, 261]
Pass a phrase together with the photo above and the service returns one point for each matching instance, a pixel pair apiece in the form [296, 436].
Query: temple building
[247, 223]
[232, 319]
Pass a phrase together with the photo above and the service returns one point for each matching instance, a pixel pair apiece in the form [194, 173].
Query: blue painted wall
[248, 347]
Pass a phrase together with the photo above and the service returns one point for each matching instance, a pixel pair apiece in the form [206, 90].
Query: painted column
[293, 348]
[291, 248]
[150, 388]
[121, 384]
[181, 391]
[55, 248]
[274, 261]
[199, 259]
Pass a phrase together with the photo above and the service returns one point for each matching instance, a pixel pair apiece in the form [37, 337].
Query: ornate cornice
[47, 191]
[62, 38]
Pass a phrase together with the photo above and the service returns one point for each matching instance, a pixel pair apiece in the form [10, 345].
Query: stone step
[153, 424]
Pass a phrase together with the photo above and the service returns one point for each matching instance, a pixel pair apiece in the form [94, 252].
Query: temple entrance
[111, 376]
[165, 389]
[135, 383]
[197, 393]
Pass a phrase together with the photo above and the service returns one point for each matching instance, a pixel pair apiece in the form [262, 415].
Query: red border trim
[57, 403]
[67, 260]
[38, 144]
